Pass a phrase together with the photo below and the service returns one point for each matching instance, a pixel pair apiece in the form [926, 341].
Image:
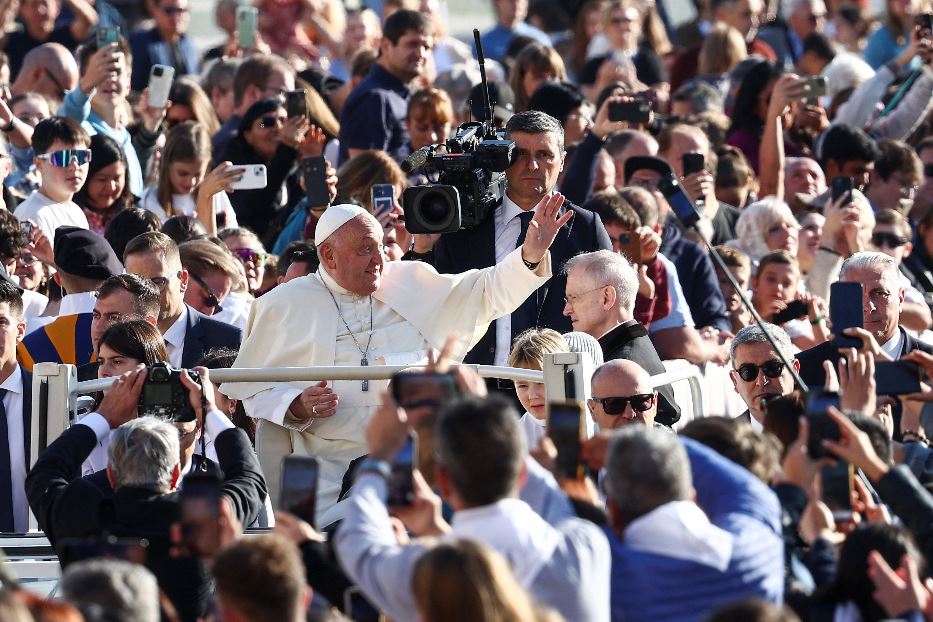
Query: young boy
[775, 286]
[740, 266]
[62, 156]
[528, 353]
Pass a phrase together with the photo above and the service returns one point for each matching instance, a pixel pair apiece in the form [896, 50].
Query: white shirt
[234, 310]
[175, 339]
[71, 304]
[534, 430]
[508, 228]
[34, 304]
[13, 403]
[894, 345]
[184, 205]
[49, 215]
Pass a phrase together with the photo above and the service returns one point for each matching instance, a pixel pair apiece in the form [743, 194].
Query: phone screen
[401, 482]
[845, 311]
[383, 196]
[631, 112]
[565, 428]
[299, 486]
[200, 514]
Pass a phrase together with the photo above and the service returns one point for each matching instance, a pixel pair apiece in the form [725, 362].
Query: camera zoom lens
[435, 208]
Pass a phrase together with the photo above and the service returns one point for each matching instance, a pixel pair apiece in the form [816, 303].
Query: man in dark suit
[144, 470]
[600, 301]
[15, 414]
[758, 374]
[883, 336]
[539, 159]
[188, 334]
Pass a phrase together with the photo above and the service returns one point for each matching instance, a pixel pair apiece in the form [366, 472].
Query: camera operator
[539, 159]
[145, 469]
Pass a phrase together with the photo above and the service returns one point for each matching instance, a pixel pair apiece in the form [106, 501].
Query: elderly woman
[765, 226]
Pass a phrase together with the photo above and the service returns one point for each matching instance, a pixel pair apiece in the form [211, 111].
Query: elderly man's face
[627, 382]
[748, 361]
[355, 257]
[882, 296]
[804, 176]
[538, 162]
[585, 303]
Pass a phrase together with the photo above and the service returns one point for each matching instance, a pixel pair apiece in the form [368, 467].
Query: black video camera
[164, 395]
[470, 174]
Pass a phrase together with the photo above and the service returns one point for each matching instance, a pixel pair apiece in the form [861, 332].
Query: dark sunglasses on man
[749, 371]
[211, 299]
[63, 157]
[616, 405]
[888, 240]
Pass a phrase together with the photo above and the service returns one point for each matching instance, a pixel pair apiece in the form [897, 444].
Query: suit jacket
[630, 341]
[204, 333]
[475, 248]
[69, 506]
[150, 49]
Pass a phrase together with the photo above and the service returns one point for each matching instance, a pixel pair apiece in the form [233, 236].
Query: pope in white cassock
[358, 307]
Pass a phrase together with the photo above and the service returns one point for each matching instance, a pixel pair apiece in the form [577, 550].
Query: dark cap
[81, 252]
[321, 81]
[257, 110]
[557, 99]
[500, 96]
[638, 163]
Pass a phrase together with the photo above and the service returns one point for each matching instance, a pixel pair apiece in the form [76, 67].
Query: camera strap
[203, 466]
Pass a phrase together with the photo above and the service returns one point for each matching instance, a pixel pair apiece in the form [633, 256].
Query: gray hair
[536, 122]
[701, 96]
[751, 229]
[754, 334]
[868, 260]
[126, 592]
[646, 468]
[143, 453]
[585, 342]
[609, 268]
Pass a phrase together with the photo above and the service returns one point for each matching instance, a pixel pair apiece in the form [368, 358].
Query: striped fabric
[66, 340]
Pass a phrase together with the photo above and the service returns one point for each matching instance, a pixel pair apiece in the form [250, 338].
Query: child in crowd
[62, 158]
[776, 285]
[528, 353]
[740, 266]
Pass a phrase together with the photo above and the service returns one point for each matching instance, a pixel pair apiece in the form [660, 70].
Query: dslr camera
[164, 395]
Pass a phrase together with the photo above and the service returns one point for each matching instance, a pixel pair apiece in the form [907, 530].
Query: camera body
[470, 180]
[164, 395]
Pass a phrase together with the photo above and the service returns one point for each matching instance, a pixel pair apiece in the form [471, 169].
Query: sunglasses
[270, 121]
[889, 240]
[248, 254]
[211, 299]
[616, 405]
[749, 371]
[63, 157]
[174, 10]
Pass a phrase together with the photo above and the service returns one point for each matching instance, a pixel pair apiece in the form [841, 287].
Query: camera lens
[158, 374]
[434, 208]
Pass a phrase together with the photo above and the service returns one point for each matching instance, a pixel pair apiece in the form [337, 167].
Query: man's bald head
[353, 255]
[47, 69]
[622, 378]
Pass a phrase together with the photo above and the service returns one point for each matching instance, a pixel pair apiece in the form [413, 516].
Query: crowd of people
[717, 192]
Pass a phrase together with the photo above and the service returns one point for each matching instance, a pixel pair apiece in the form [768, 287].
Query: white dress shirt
[13, 403]
[175, 339]
[508, 228]
[894, 345]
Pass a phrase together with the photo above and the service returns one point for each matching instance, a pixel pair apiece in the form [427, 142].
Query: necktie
[524, 317]
[6, 475]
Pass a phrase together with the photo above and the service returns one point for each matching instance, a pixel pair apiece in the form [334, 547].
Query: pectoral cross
[365, 363]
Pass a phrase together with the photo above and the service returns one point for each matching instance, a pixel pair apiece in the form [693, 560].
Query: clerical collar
[332, 285]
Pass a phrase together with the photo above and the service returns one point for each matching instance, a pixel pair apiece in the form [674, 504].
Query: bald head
[622, 378]
[353, 255]
[42, 67]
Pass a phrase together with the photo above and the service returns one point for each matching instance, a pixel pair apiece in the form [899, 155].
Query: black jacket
[630, 341]
[205, 333]
[475, 248]
[69, 506]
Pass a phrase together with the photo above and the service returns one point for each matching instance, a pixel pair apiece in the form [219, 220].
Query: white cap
[335, 217]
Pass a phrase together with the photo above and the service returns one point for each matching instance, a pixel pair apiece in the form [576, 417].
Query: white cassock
[297, 325]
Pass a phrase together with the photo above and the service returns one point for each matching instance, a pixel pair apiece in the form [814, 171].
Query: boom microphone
[416, 160]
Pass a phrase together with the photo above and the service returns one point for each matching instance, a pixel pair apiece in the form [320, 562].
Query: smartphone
[200, 514]
[631, 247]
[693, 163]
[836, 484]
[632, 112]
[26, 227]
[299, 486]
[383, 199]
[107, 35]
[160, 83]
[247, 18]
[795, 309]
[924, 21]
[412, 389]
[842, 186]
[845, 311]
[296, 103]
[822, 426]
[566, 426]
[314, 173]
[683, 207]
[816, 87]
[896, 378]
[254, 177]
[73, 550]
[401, 482]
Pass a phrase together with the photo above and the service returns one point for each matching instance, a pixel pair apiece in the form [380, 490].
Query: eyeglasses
[570, 299]
[647, 184]
[248, 254]
[63, 157]
[211, 299]
[889, 240]
[175, 10]
[270, 121]
[616, 405]
[749, 371]
[162, 281]
[26, 260]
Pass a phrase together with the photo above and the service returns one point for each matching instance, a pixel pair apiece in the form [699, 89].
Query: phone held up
[566, 427]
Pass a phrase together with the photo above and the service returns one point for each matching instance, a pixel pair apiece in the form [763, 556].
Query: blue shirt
[373, 116]
[496, 41]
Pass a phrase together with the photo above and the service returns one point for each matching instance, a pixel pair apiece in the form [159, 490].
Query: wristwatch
[8, 127]
[379, 467]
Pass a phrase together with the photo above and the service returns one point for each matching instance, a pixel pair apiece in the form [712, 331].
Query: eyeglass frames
[616, 405]
[211, 300]
[749, 371]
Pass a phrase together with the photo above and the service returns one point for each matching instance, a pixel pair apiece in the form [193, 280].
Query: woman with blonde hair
[765, 226]
[723, 49]
[465, 581]
[534, 65]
